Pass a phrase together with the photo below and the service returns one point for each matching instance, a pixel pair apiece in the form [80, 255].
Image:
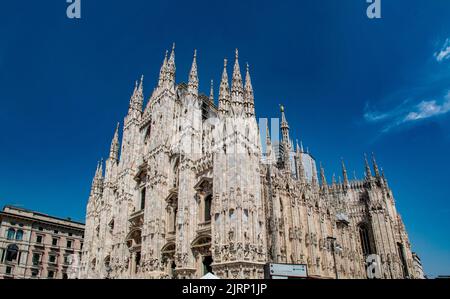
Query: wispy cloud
[408, 112]
[427, 109]
[444, 52]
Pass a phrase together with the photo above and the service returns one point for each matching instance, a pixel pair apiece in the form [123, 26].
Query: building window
[10, 234]
[65, 276]
[41, 228]
[55, 242]
[12, 252]
[56, 232]
[81, 245]
[34, 273]
[402, 260]
[36, 259]
[69, 244]
[208, 201]
[8, 270]
[52, 259]
[365, 240]
[19, 235]
[51, 274]
[39, 239]
[143, 198]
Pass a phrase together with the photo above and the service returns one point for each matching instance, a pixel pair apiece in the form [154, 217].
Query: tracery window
[365, 240]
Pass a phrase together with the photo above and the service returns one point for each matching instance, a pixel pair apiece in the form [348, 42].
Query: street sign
[287, 270]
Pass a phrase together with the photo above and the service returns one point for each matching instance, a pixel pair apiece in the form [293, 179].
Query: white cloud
[444, 53]
[427, 109]
[407, 113]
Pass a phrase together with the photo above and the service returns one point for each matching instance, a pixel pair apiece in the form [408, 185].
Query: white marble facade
[188, 191]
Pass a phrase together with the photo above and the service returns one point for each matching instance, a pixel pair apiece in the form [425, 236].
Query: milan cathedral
[193, 188]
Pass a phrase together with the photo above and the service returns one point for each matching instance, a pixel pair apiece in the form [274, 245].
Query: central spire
[237, 90]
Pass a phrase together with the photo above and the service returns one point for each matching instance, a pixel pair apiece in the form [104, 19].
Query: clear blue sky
[350, 85]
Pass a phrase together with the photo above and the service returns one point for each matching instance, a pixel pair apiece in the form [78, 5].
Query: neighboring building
[418, 268]
[36, 245]
[191, 192]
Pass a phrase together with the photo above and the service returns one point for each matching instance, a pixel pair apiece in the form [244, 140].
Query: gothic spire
[375, 166]
[268, 140]
[323, 179]
[224, 90]
[344, 174]
[114, 150]
[367, 167]
[162, 72]
[100, 170]
[383, 177]
[193, 76]
[211, 92]
[137, 98]
[300, 167]
[269, 151]
[237, 90]
[314, 181]
[249, 96]
[94, 179]
[284, 126]
[170, 74]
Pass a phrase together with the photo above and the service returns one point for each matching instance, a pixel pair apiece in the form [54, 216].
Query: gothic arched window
[365, 239]
[208, 201]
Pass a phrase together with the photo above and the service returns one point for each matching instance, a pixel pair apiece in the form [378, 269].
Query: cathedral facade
[192, 187]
